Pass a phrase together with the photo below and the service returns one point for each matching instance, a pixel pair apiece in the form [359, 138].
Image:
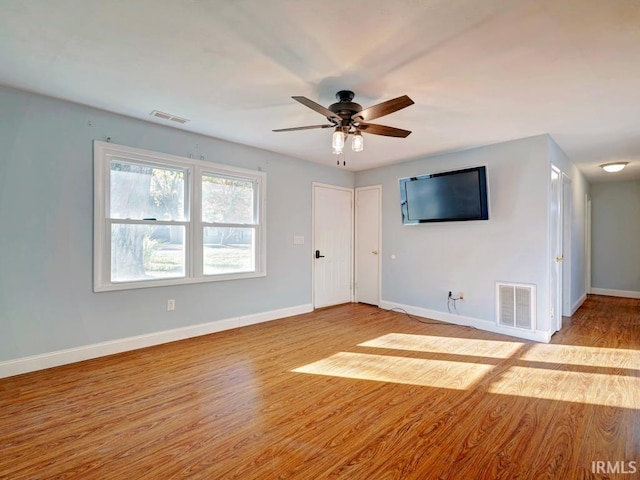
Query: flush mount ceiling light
[613, 166]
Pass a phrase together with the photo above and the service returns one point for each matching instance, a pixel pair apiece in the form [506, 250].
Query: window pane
[142, 191]
[227, 200]
[147, 252]
[228, 250]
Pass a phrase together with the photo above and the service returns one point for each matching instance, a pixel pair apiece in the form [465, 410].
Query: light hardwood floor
[349, 392]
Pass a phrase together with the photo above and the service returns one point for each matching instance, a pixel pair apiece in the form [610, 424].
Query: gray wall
[470, 257]
[615, 238]
[46, 212]
[46, 217]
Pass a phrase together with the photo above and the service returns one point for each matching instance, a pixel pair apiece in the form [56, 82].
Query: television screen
[445, 197]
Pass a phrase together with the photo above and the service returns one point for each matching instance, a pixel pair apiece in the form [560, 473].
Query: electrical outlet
[171, 305]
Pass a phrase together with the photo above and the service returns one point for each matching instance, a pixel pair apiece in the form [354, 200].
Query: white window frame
[105, 152]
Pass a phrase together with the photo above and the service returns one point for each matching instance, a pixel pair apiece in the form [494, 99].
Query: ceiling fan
[348, 117]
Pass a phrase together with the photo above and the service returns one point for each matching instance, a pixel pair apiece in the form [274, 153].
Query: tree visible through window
[140, 197]
[146, 234]
[229, 219]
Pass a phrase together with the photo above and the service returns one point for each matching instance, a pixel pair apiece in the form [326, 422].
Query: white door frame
[555, 250]
[315, 185]
[567, 252]
[357, 233]
[587, 245]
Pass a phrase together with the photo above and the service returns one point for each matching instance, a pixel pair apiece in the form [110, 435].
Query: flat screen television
[453, 196]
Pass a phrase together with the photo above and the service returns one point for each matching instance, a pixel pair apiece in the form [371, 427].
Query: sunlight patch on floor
[529, 379]
[592, 388]
[452, 346]
[384, 368]
[585, 356]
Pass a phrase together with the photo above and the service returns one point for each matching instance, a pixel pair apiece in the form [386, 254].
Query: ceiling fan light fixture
[613, 167]
[348, 117]
[337, 142]
[357, 142]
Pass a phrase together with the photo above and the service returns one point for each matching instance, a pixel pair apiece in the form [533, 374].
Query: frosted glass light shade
[337, 142]
[357, 143]
[613, 167]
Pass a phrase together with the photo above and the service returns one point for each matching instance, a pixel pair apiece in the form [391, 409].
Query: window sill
[166, 282]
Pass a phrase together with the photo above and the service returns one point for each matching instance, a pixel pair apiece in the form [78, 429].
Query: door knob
[375, 252]
[318, 254]
[559, 259]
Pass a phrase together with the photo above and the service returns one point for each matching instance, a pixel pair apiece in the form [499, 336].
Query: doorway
[560, 248]
[332, 245]
[368, 240]
[555, 234]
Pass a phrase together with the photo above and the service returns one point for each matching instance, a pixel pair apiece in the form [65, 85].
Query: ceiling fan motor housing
[345, 108]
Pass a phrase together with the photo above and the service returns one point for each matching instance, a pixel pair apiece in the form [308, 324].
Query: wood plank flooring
[348, 392]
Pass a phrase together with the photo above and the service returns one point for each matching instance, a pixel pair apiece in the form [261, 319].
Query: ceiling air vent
[168, 116]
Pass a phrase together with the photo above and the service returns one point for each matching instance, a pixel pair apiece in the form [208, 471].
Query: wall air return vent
[516, 305]
[168, 116]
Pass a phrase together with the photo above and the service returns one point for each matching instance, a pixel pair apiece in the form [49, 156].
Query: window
[164, 220]
[229, 224]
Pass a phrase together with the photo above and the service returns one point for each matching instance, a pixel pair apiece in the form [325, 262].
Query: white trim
[194, 170]
[489, 326]
[555, 249]
[578, 304]
[567, 252]
[587, 244]
[615, 293]
[86, 352]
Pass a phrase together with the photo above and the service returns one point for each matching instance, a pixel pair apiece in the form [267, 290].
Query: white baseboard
[86, 352]
[615, 293]
[578, 304]
[536, 336]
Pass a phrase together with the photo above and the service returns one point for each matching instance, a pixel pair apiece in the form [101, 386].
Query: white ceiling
[479, 71]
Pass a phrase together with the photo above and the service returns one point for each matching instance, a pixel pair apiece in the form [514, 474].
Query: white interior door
[368, 233]
[332, 245]
[555, 240]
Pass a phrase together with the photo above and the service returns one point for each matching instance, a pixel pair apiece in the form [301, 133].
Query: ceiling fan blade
[382, 109]
[303, 128]
[319, 108]
[383, 130]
